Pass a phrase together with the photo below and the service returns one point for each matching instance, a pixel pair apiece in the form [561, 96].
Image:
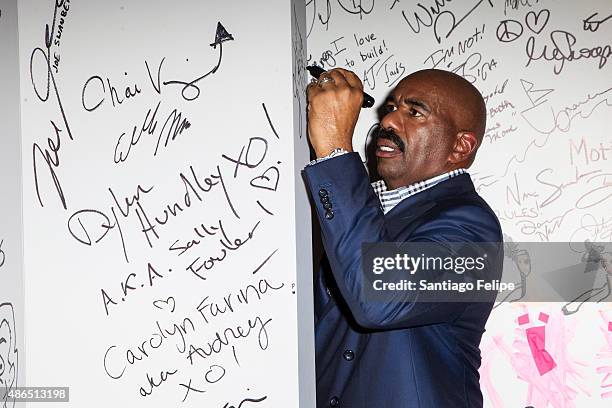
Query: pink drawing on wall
[604, 356]
[539, 356]
[536, 338]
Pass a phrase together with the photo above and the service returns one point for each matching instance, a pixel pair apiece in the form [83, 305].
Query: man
[396, 354]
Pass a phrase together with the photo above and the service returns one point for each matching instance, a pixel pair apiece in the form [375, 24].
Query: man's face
[418, 113]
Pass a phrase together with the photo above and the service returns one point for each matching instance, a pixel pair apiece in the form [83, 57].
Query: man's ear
[464, 147]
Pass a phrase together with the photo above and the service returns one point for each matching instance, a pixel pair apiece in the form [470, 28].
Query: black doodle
[200, 267]
[537, 22]
[595, 258]
[268, 180]
[96, 90]
[324, 20]
[191, 338]
[245, 402]
[509, 30]
[356, 7]
[515, 4]
[64, 7]
[437, 16]
[51, 156]
[323, 14]
[168, 303]
[593, 25]
[133, 283]
[9, 355]
[521, 259]
[2, 254]
[299, 74]
[593, 229]
[190, 90]
[264, 208]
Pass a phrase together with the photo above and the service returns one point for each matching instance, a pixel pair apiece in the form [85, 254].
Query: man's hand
[334, 103]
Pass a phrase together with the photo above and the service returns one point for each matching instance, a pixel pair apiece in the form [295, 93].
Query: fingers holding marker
[347, 81]
[339, 76]
[333, 109]
[316, 87]
[325, 80]
[312, 88]
[351, 78]
[339, 84]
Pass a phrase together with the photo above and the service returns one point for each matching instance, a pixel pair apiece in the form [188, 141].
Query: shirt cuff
[334, 153]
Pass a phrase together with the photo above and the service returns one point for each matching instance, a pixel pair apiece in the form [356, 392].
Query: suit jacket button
[322, 192]
[329, 214]
[325, 199]
[327, 206]
[348, 355]
[334, 402]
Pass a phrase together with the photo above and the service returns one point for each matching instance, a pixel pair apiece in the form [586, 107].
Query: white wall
[12, 355]
[127, 292]
[545, 164]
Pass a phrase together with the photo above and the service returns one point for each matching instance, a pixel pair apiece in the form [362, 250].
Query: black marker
[316, 72]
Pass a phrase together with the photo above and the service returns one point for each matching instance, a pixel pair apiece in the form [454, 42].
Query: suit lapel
[406, 216]
[401, 221]
[406, 219]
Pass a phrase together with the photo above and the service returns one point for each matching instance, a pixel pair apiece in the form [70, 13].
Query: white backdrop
[115, 271]
[545, 165]
[12, 356]
[162, 218]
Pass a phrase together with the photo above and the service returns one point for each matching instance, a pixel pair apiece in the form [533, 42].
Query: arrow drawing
[190, 90]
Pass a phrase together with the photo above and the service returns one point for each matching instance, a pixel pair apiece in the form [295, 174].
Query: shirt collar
[390, 198]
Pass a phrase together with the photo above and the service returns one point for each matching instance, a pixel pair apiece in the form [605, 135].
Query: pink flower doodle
[536, 338]
[605, 371]
[539, 356]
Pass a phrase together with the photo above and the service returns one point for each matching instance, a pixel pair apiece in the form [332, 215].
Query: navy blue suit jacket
[397, 354]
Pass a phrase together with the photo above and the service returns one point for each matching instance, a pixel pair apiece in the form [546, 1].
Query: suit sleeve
[349, 213]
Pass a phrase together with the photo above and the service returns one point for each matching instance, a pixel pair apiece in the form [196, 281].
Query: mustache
[381, 133]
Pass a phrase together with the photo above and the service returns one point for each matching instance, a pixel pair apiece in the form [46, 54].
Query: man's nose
[391, 121]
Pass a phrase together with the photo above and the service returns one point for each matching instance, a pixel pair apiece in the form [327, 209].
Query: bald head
[459, 101]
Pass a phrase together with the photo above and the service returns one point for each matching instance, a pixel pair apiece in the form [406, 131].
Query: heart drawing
[537, 22]
[268, 180]
[164, 304]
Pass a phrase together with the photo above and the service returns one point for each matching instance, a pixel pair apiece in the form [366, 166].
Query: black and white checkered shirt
[391, 198]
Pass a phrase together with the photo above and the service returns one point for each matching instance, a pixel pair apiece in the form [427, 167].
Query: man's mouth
[388, 144]
[386, 148]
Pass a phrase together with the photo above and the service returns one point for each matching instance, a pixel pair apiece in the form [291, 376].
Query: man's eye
[389, 108]
[414, 112]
